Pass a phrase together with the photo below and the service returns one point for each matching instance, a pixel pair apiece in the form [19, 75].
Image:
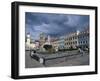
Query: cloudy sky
[54, 24]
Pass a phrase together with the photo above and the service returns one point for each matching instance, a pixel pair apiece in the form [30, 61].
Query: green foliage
[47, 47]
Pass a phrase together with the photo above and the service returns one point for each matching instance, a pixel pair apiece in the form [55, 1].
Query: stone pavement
[75, 60]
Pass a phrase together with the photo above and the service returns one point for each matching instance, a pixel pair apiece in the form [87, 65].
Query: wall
[5, 41]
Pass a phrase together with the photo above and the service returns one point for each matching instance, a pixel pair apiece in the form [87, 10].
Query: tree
[47, 47]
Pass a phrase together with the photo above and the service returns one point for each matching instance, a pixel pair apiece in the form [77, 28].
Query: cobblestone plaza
[76, 59]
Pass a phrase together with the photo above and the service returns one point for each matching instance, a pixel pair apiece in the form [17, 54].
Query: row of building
[73, 40]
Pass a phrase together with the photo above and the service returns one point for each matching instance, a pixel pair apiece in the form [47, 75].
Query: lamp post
[77, 37]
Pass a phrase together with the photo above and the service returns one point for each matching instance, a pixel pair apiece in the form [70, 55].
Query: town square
[56, 40]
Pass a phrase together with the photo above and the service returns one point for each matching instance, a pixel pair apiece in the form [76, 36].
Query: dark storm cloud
[54, 24]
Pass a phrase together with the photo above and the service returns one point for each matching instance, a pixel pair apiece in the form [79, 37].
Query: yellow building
[71, 41]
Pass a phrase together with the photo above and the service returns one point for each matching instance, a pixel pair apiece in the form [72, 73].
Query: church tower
[42, 38]
[28, 39]
[78, 32]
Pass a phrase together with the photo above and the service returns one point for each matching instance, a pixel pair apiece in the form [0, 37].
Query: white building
[78, 39]
[71, 41]
[29, 44]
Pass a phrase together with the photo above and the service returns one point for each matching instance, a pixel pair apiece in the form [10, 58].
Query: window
[73, 37]
[83, 42]
[86, 42]
[67, 43]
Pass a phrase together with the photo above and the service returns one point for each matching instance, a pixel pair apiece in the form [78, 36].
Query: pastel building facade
[79, 39]
[61, 42]
[83, 39]
[73, 40]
